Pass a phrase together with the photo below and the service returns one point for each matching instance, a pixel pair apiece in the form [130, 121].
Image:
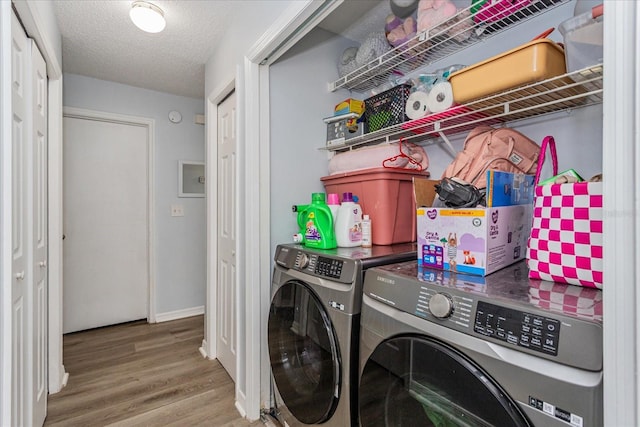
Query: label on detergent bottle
[311, 232]
[355, 233]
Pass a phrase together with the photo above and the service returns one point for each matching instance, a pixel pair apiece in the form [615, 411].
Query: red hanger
[400, 156]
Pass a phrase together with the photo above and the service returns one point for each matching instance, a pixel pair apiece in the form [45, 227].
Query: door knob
[42, 264]
[20, 276]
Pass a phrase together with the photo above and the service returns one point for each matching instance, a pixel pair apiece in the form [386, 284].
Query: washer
[313, 330]
[440, 349]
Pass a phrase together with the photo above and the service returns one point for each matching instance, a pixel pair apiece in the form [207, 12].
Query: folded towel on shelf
[410, 157]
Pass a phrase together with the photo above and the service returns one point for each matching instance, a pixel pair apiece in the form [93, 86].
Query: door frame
[149, 124]
[254, 161]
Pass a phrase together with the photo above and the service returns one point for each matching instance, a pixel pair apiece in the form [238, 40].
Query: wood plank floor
[139, 374]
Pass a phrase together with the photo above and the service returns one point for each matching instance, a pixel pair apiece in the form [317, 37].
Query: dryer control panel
[519, 328]
[504, 308]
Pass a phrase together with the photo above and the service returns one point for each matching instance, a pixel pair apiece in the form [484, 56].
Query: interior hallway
[140, 374]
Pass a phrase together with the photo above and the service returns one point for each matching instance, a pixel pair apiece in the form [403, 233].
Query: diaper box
[469, 240]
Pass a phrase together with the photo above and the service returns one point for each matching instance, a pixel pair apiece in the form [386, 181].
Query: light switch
[177, 210]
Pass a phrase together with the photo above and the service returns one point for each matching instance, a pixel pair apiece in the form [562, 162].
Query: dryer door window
[305, 359]
[415, 380]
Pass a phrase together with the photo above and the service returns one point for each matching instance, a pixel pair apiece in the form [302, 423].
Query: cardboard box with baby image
[468, 240]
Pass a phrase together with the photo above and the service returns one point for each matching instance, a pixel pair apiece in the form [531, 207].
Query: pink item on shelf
[415, 126]
[378, 156]
[492, 11]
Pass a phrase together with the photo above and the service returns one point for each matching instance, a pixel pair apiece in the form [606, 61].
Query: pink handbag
[566, 236]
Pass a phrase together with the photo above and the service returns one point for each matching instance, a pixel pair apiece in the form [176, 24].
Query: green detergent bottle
[316, 223]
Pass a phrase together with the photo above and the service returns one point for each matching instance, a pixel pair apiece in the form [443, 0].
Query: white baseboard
[65, 379]
[203, 349]
[60, 381]
[240, 409]
[179, 314]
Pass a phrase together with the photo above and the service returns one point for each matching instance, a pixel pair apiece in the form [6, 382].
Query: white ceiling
[99, 40]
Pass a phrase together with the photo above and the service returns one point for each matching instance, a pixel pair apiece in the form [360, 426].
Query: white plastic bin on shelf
[583, 39]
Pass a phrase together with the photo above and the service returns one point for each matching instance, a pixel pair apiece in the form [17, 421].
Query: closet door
[39, 291]
[29, 230]
[22, 277]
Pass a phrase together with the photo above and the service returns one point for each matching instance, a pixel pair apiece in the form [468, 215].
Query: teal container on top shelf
[316, 223]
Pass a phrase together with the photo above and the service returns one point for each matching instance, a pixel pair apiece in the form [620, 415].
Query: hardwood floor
[139, 374]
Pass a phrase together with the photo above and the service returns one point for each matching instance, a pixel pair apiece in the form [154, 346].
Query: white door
[105, 264]
[226, 293]
[39, 237]
[21, 218]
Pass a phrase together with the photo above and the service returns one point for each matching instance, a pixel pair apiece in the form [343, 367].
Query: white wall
[180, 247]
[299, 100]
[252, 19]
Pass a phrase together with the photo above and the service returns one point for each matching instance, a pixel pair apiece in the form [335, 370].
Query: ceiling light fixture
[148, 17]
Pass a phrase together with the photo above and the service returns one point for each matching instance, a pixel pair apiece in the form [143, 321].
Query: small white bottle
[366, 232]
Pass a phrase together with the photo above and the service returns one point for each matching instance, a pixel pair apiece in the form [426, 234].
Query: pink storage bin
[386, 195]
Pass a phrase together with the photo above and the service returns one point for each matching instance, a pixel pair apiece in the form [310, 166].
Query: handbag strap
[548, 141]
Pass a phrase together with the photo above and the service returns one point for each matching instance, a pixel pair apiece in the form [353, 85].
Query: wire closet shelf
[569, 91]
[447, 38]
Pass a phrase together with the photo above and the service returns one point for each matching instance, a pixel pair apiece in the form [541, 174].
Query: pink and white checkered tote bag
[566, 235]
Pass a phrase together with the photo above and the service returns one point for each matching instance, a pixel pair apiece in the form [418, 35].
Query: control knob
[304, 261]
[441, 306]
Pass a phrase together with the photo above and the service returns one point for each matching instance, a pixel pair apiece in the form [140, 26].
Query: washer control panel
[313, 264]
[519, 328]
[329, 267]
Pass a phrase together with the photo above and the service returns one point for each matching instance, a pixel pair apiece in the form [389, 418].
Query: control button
[440, 306]
[550, 340]
[304, 261]
[526, 329]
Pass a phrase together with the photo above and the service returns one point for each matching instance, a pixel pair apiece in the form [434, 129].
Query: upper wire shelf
[447, 38]
[569, 91]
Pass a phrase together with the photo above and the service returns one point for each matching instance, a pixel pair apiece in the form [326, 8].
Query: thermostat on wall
[175, 116]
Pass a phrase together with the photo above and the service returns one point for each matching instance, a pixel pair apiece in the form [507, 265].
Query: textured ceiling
[99, 40]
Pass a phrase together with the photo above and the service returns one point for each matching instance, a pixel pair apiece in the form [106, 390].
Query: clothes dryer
[445, 349]
[313, 330]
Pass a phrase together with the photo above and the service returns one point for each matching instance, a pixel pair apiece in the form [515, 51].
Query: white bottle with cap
[366, 232]
[349, 223]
